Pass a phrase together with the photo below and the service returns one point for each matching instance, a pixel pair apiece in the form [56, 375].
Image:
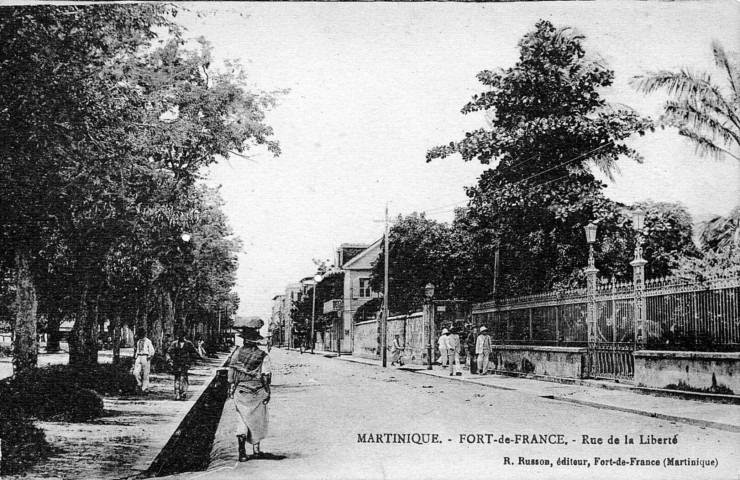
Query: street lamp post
[429, 310]
[591, 272]
[317, 278]
[638, 279]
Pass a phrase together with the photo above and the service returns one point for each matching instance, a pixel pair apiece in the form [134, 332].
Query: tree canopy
[110, 118]
[549, 126]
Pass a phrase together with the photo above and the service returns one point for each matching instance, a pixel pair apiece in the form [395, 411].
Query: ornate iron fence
[680, 315]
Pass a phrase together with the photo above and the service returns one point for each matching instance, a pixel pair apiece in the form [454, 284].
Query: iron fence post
[638, 280]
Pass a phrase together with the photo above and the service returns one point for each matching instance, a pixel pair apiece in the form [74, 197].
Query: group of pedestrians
[249, 378]
[450, 348]
[456, 343]
[179, 354]
[478, 348]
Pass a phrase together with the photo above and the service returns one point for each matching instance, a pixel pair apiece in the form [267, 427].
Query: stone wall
[701, 371]
[366, 339]
[410, 329]
[551, 361]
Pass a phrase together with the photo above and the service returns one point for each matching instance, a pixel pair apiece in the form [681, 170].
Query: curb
[164, 458]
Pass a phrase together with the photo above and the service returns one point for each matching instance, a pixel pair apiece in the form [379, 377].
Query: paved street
[329, 418]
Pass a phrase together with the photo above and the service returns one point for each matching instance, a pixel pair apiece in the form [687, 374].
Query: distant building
[293, 293]
[277, 321]
[357, 266]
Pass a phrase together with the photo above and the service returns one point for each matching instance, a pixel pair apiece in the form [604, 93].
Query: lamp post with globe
[591, 272]
[317, 279]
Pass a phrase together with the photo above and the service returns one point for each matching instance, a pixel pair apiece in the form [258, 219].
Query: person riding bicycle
[181, 353]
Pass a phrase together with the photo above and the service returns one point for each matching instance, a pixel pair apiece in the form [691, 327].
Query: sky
[373, 86]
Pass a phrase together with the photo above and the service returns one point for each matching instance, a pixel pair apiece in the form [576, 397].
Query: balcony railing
[333, 306]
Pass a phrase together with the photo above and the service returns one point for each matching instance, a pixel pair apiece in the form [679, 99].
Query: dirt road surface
[330, 419]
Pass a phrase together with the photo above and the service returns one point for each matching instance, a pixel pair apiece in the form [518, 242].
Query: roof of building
[355, 262]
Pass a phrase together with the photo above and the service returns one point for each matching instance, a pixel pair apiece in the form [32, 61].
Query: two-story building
[357, 265]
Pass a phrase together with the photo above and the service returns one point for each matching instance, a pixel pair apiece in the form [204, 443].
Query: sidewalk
[129, 436]
[592, 393]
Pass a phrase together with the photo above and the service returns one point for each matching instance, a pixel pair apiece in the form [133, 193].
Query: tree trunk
[25, 350]
[155, 328]
[168, 316]
[52, 329]
[142, 307]
[116, 327]
[83, 339]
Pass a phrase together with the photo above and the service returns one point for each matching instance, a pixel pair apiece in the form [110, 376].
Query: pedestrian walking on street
[483, 350]
[143, 353]
[181, 353]
[249, 378]
[298, 338]
[443, 348]
[199, 345]
[470, 343]
[397, 350]
[453, 345]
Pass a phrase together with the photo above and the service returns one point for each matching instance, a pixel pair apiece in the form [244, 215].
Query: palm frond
[704, 145]
[731, 68]
[679, 83]
[687, 112]
[686, 85]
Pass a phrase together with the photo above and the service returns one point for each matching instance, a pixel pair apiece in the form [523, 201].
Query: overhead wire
[443, 208]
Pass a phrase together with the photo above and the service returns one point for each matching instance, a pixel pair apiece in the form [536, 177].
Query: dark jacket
[182, 354]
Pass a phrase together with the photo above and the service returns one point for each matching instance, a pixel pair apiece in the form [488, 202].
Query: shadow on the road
[267, 456]
[188, 450]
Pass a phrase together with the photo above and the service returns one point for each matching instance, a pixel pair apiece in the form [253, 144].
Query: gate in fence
[611, 348]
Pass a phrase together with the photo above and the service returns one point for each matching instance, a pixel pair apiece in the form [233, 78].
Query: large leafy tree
[422, 251]
[722, 232]
[720, 249]
[56, 99]
[704, 108]
[106, 137]
[549, 126]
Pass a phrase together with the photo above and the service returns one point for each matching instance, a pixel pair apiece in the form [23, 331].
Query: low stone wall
[565, 362]
[366, 339]
[702, 371]
[409, 327]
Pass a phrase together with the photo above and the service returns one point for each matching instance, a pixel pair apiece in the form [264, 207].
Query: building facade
[357, 266]
[277, 321]
[293, 293]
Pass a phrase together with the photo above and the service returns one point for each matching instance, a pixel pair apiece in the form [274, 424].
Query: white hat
[444, 331]
[483, 329]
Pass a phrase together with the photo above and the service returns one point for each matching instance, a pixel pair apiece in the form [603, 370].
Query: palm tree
[704, 111]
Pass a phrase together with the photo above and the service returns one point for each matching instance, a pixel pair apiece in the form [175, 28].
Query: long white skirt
[248, 401]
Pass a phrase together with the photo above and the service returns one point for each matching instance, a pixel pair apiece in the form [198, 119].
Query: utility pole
[495, 270]
[384, 328]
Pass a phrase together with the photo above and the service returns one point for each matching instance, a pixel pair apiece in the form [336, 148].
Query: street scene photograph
[370, 240]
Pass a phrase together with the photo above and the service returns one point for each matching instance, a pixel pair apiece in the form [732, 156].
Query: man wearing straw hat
[249, 379]
[483, 348]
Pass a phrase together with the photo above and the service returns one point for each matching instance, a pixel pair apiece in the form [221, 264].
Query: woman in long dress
[249, 378]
